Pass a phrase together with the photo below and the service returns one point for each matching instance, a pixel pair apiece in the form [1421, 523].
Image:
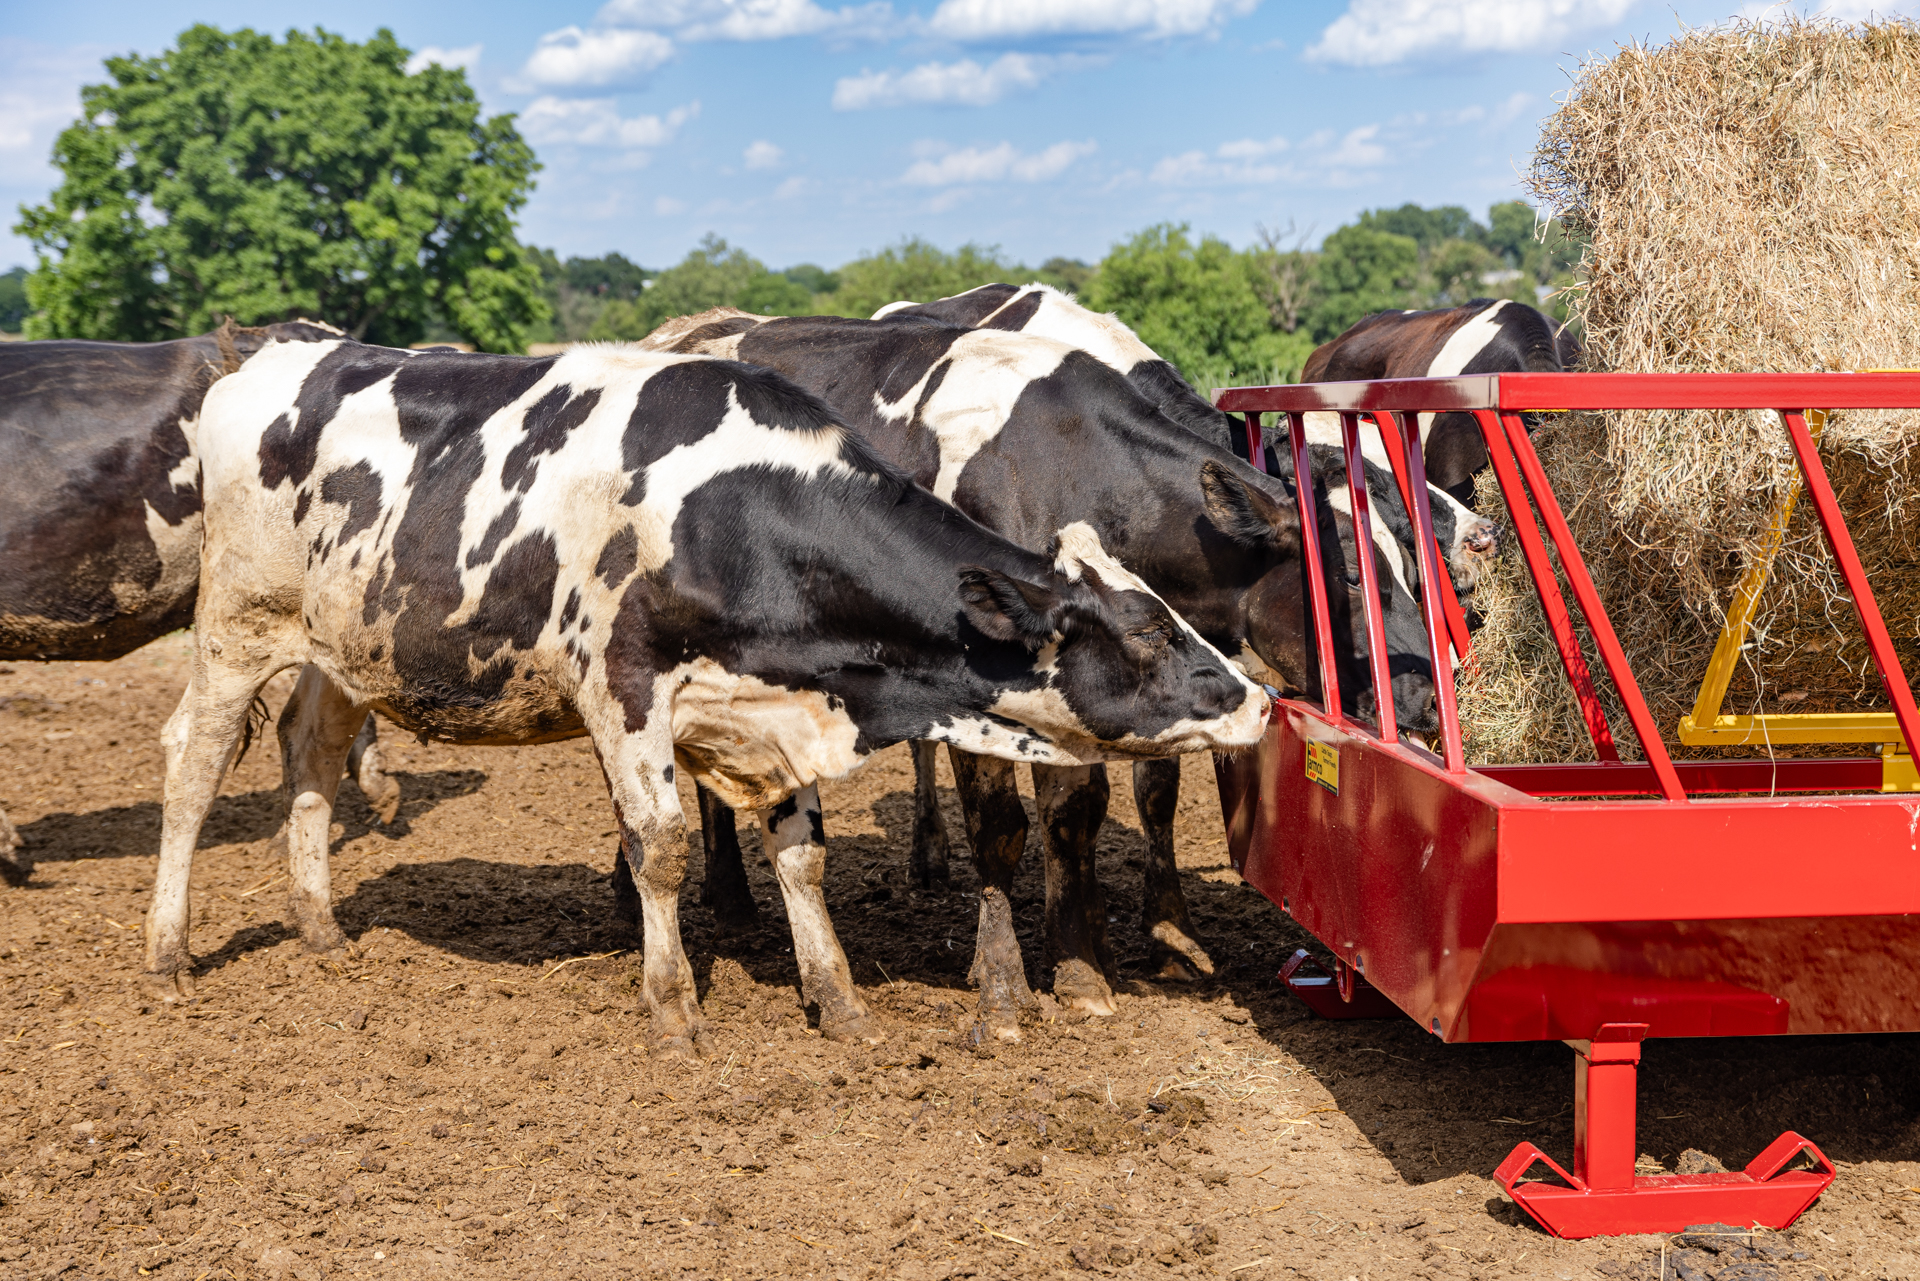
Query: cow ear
[1244, 513]
[1009, 609]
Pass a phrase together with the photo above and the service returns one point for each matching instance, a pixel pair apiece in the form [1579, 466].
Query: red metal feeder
[1599, 903]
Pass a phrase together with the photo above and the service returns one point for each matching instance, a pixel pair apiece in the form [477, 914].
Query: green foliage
[1195, 305]
[917, 271]
[1069, 275]
[1427, 227]
[239, 175]
[714, 275]
[1360, 271]
[13, 300]
[610, 276]
[813, 279]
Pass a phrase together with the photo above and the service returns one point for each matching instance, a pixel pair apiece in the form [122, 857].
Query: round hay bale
[1751, 197]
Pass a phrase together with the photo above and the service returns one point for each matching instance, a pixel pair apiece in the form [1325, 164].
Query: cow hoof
[175, 988]
[386, 807]
[329, 939]
[1177, 956]
[863, 1028]
[1078, 986]
[997, 1023]
[692, 1048]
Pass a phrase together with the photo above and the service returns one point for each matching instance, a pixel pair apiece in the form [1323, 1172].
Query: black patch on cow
[377, 652]
[518, 599]
[446, 397]
[497, 531]
[301, 502]
[1162, 384]
[965, 310]
[546, 427]
[289, 449]
[683, 403]
[618, 558]
[714, 330]
[571, 610]
[357, 488]
[1016, 315]
[667, 773]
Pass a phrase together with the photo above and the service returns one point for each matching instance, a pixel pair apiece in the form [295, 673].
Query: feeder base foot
[1759, 1195]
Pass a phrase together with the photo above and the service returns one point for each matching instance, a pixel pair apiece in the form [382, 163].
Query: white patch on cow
[984, 737]
[1078, 548]
[1462, 345]
[752, 743]
[186, 473]
[1101, 335]
[964, 413]
[1341, 500]
[892, 307]
[1324, 429]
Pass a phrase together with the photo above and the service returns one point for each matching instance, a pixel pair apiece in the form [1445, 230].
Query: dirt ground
[464, 1096]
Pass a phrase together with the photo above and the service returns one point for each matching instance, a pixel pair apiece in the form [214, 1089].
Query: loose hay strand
[1748, 194]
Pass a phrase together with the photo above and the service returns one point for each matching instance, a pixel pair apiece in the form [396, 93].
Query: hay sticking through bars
[1751, 194]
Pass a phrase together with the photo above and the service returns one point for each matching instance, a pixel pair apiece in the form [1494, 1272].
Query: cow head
[1271, 618]
[1124, 675]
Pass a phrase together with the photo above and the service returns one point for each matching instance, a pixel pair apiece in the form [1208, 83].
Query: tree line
[239, 175]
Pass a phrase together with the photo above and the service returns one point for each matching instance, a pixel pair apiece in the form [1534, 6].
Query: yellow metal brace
[1707, 727]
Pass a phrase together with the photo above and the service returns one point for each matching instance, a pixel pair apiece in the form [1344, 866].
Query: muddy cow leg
[639, 773]
[200, 740]
[997, 830]
[796, 845]
[725, 888]
[381, 789]
[1073, 803]
[1175, 950]
[928, 861]
[316, 730]
[15, 868]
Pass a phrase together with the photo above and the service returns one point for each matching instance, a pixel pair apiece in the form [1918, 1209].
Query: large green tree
[241, 175]
[713, 275]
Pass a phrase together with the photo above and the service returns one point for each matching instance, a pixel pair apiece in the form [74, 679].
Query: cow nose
[1485, 539]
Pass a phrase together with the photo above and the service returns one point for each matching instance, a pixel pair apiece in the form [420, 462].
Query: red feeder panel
[1602, 902]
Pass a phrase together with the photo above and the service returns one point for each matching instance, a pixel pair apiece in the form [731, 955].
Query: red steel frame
[1602, 902]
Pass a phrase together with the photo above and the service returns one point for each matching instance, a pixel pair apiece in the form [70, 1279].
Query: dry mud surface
[463, 1096]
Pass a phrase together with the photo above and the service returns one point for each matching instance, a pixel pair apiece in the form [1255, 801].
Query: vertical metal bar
[1605, 1073]
[1449, 601]
[1588, 598]
[1256, 442]
[1547, 587]
[1322, 621]
[1361, 513]
[1430, 575]
[1820, 490]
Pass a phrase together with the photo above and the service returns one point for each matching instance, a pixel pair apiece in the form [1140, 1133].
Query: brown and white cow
[100, 504]
[1484, 336]
[688, 560]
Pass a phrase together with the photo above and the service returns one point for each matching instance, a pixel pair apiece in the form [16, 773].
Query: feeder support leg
[1605, 1072]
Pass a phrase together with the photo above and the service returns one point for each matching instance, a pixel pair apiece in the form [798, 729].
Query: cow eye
[1150, 639]
[1353, 580]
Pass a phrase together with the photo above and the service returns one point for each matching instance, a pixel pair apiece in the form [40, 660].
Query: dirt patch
[464, 1097]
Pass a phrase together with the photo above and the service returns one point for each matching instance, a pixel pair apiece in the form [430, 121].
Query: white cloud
[943, 167]
[763, 155]
[1326, 159]
[793, 187]
[465, 58]
[747, 19]
[597, 122]
[667, 206]
[1008, 19]
[571, 57]
[965, 83]
[1378, 33]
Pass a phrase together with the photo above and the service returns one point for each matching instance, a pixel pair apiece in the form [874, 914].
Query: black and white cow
[1485, 336]
[100, 503]
[1026, 434]
[688, 560]
[1471, 543]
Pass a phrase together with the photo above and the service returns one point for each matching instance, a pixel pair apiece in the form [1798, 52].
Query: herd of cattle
[758, 549]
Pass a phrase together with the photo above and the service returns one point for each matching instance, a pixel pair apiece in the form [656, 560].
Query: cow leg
[928, 861]
[200, 739]
[14, 869]
[997, 830]
[1175, 952]
[316, 730]
[626, 895]
[725, 888]
[639, 776]
[1073, 803]
[796, 845]
[381, 789]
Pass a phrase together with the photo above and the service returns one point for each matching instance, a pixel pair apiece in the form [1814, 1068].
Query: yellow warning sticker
[1323, 765]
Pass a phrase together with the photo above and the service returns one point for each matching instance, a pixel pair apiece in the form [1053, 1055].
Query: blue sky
[814, 130]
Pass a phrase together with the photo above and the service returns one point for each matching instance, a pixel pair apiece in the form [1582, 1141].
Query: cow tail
[256, 721]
